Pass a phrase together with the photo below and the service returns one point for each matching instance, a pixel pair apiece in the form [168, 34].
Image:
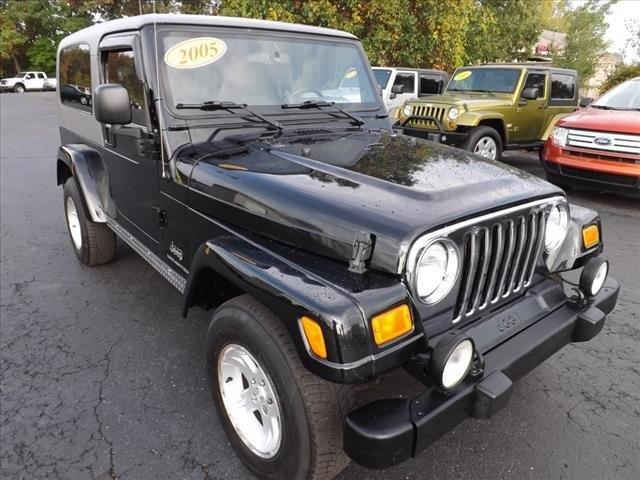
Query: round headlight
[436, 271]
[406, 110]
[453, 113]
[452, 359]
[593, 276]
[556, 228]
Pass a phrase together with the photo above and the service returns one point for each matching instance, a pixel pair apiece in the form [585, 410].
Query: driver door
[129, 154]
[408, 80]
[531, 113]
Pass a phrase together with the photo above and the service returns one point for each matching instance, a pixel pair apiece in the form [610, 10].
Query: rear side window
[406, 80]
[563, 86]
[120, 68]
[75, 77]
[431, 84]
[40, 75]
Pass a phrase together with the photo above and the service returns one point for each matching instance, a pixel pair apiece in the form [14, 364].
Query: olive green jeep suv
[491, 108]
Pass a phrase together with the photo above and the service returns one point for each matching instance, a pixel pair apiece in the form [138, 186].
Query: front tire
[93, 243]
[19, 88]
[484, 141]
[283, 421]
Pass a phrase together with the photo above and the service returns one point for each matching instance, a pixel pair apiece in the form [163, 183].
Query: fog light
[593, 276]
[452, 359]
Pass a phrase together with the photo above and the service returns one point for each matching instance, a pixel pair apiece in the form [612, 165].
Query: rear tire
[484, 141]
[311, 409]
[93, 243]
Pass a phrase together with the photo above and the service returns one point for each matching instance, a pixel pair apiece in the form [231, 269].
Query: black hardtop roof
[531, 65]
[94, 33]
[411, 69]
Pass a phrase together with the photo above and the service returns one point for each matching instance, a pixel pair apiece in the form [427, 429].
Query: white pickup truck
[25, 81]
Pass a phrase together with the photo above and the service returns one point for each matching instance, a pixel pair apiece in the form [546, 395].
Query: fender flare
[572, 254]
[552, 124]
[90, 172]
[289, 292]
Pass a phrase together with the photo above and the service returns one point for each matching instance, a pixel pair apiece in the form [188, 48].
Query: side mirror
[530, 93]
[397, 89]
[585, 102]
[111, 104]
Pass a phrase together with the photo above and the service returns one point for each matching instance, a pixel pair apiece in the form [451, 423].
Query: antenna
[156, 98]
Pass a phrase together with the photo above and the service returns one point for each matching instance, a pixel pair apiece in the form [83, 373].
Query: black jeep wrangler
[252, 164]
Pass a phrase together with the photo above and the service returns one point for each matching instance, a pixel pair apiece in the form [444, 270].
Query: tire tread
[320, 396]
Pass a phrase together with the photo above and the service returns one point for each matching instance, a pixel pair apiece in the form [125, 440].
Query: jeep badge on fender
[233, 156]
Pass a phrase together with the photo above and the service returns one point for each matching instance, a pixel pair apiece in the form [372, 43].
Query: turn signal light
[392, 324]
[314, 335]
[590, 236]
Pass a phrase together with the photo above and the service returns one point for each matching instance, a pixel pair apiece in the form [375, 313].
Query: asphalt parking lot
[101, 377]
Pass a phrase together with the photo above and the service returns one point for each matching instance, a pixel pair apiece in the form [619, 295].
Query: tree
[419, 33]
[503, 30]
[633, 42]
[31, 30]
[586, 27]
[619, 75]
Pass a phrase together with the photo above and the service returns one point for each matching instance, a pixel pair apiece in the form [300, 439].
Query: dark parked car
[329, 249]
[75, 93]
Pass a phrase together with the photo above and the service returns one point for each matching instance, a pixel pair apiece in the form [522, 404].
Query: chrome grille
[427, 111]
[617, 142]
[499, 261]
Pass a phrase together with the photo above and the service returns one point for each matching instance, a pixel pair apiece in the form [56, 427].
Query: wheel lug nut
[262, 384]
[270, 401]
[253, 381]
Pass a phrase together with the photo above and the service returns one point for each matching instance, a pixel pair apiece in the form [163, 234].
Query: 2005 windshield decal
[195, 52]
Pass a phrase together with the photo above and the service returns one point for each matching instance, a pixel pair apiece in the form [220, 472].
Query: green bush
[619, 75]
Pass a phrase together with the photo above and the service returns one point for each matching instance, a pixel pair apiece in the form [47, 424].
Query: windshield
[382, 76]
[623, 97]
[498, 80]
[260, 69]
[21, 74]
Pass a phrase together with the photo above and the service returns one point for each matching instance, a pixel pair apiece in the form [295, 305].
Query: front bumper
[438, 134]
[387, 432]
[601, 173]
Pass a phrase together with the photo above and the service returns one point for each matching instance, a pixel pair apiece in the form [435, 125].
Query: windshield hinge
[361, 252]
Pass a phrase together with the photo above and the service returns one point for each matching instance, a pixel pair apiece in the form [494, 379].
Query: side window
[406, 80]
[563, 86]
[431, 84]
[40, 75]
[75, 77]
[30, 76]
[536, 80]
[120, 68]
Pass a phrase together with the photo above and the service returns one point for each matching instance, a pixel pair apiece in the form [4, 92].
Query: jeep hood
[473, 101]
[316, 190]
[620, 121]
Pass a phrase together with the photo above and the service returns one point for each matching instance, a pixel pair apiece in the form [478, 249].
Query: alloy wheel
[486, 147]
[74, 223]
[250, 401]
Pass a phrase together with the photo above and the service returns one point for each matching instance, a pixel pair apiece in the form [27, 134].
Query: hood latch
[361, 252]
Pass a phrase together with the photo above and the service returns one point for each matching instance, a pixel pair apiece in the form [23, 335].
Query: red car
[599, 147]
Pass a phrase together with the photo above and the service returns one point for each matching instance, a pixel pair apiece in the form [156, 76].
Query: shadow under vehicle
[236, 159]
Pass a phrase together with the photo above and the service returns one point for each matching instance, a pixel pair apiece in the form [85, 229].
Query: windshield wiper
[319, 104]
[213, 105]
[604, 107]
